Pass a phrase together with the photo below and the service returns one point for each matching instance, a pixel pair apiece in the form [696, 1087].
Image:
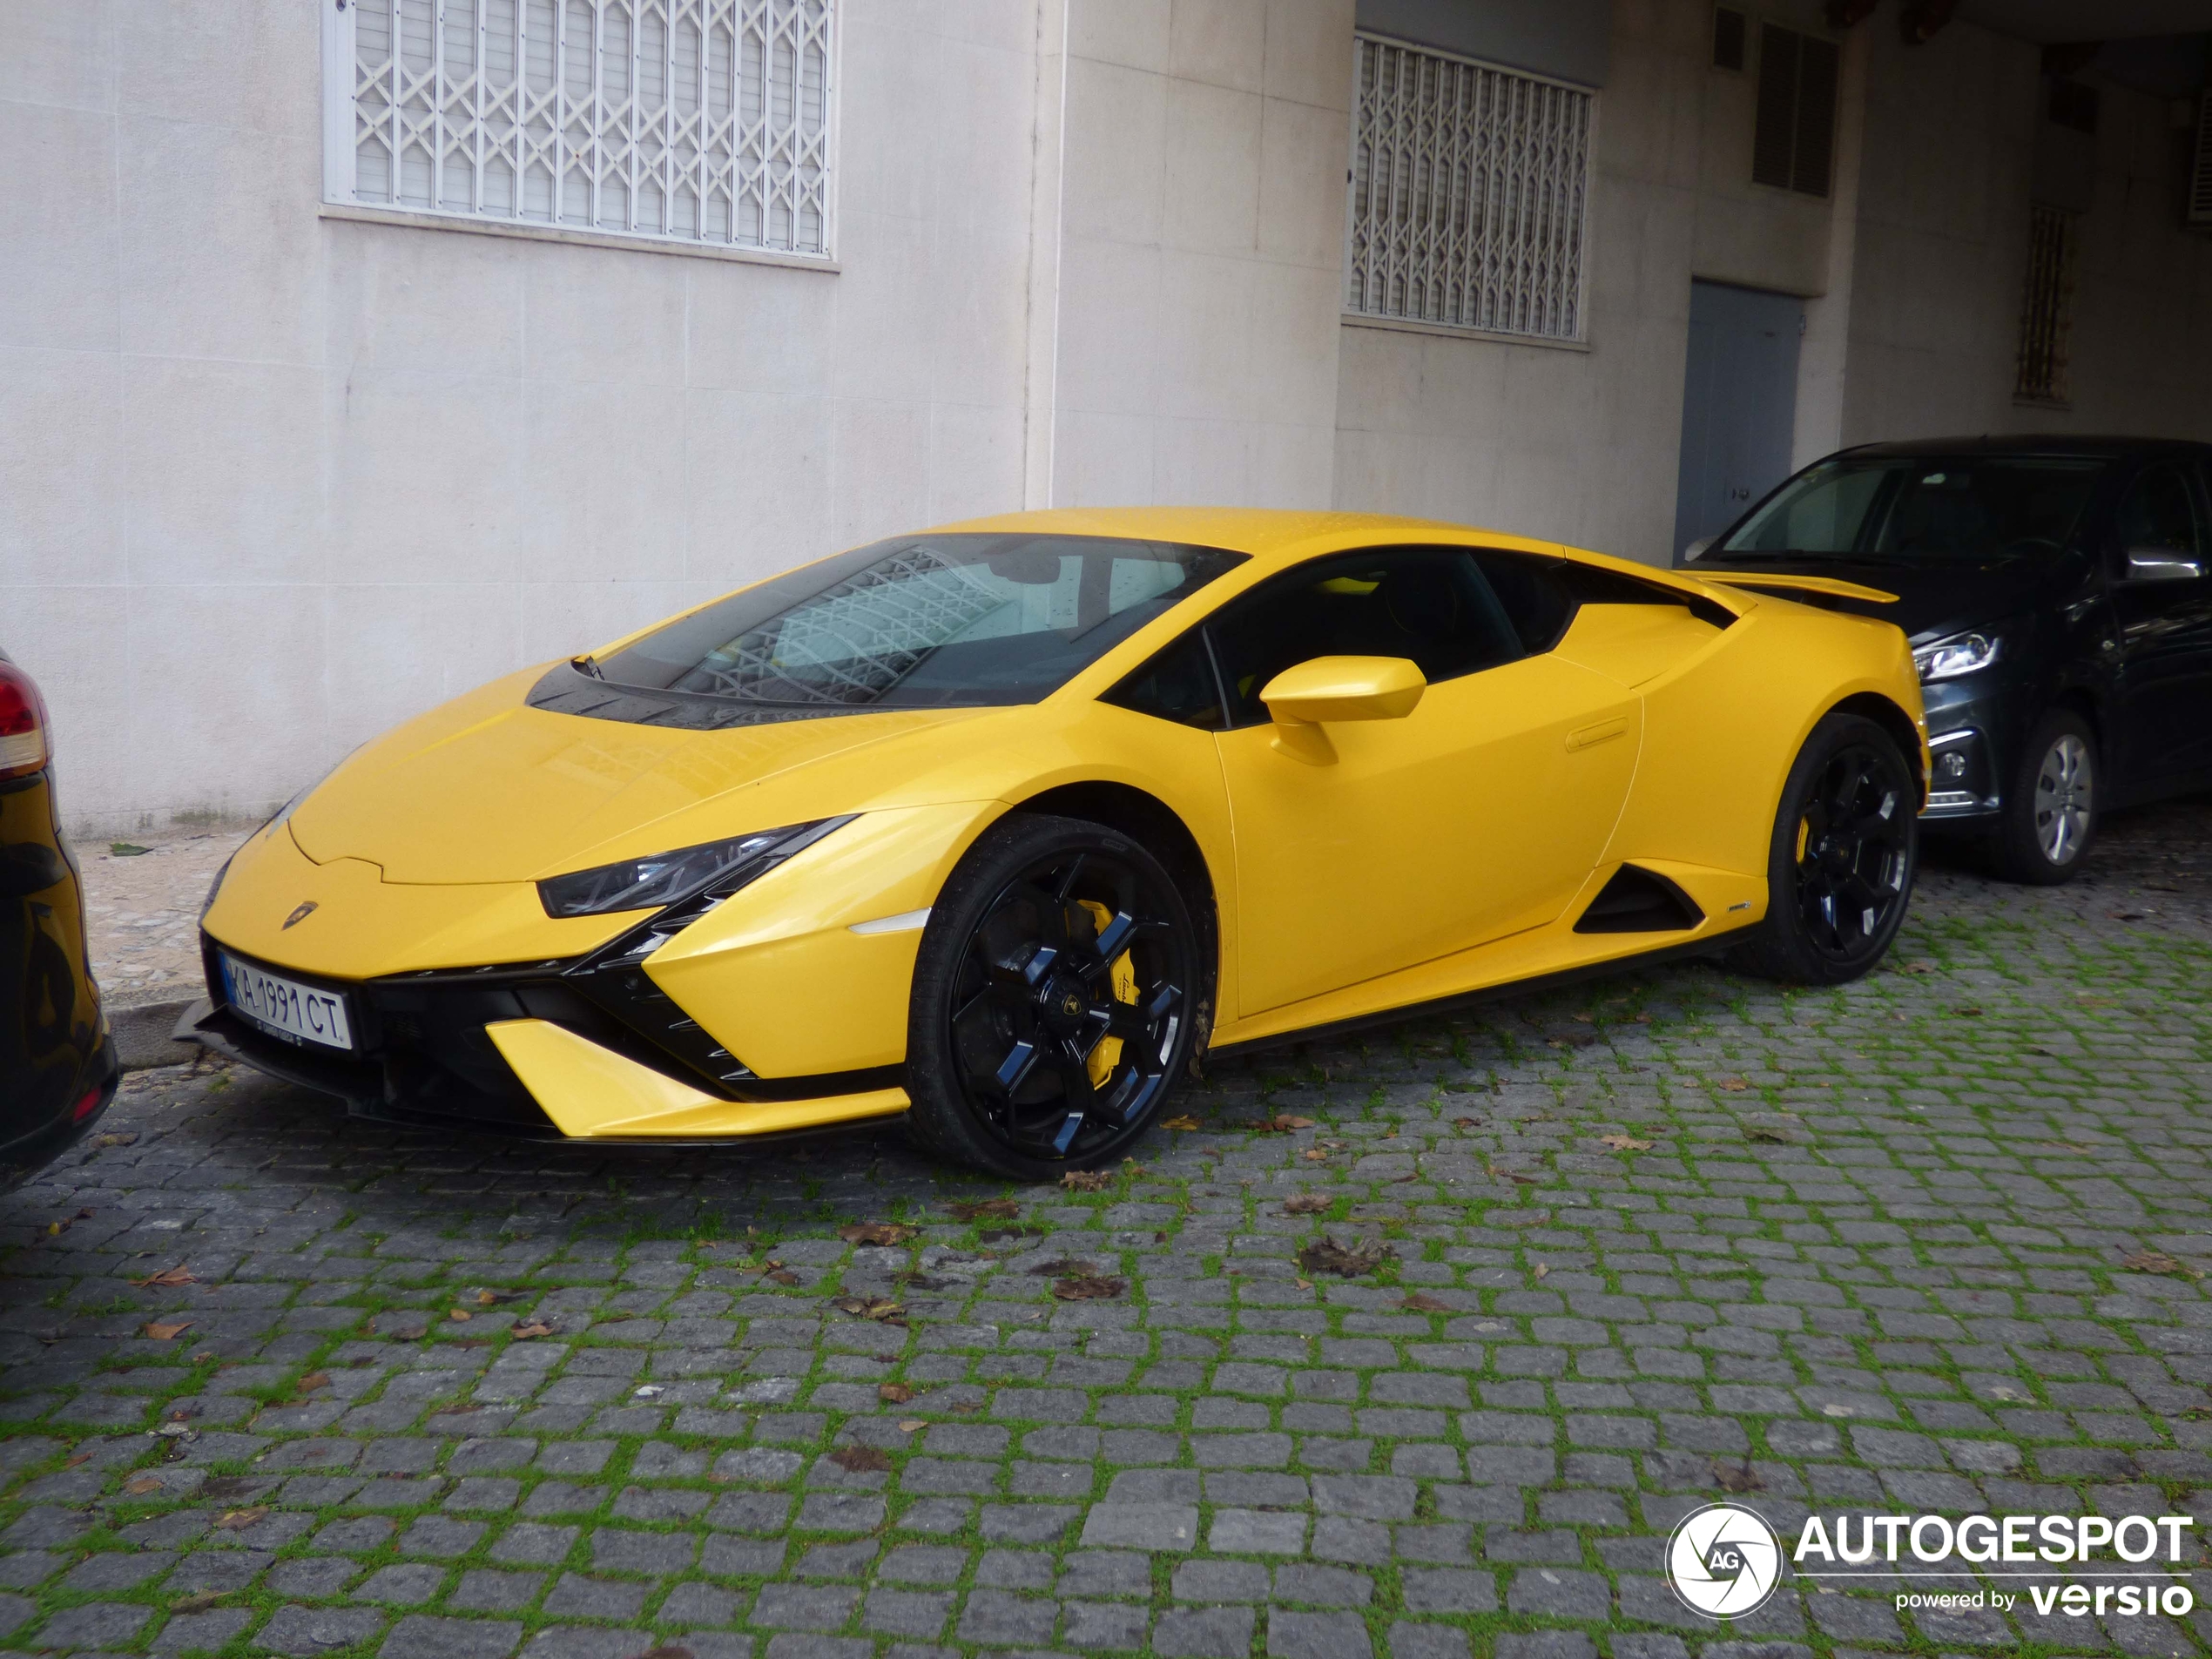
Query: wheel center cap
[1061, 1005]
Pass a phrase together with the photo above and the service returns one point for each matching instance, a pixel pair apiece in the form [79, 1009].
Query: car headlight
[661, 879]
[1946, 659]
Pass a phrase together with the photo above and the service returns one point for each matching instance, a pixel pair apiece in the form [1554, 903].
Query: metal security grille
[1469, 194]
[2046, 315]
[702, 121]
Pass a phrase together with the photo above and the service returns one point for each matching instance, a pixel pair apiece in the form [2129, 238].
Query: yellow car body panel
[1367, 866]
[591, 1093]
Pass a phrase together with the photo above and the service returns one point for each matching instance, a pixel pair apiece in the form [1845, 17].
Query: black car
[2057, 596]
[58, 1061]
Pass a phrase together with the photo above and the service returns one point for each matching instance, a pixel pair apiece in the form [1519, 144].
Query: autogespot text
[2110, 1560]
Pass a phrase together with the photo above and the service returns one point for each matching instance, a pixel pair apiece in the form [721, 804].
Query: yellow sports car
[998, 826]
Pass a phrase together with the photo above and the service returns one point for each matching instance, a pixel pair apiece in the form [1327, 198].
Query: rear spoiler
[1826, 584]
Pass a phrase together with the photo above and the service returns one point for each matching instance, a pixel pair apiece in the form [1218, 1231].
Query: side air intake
[1639, 901]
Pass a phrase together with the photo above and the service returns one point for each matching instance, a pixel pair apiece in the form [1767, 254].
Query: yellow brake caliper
[1804, 835]
[1122, 976]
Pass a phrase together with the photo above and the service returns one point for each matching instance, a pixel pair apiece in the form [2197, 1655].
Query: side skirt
[1680, 951]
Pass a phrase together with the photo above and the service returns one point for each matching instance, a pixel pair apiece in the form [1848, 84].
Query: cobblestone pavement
[272, 1381]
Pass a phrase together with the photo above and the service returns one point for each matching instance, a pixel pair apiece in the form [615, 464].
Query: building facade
[353, 352]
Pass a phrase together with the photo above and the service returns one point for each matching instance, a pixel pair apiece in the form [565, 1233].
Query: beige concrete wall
[1200, 251]
[274, 482]
[1581, 446]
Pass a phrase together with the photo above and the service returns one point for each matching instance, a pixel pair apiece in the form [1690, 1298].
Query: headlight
[1946, 659]
[663, 878]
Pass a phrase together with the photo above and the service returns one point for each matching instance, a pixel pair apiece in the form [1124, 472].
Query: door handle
[1603, 731]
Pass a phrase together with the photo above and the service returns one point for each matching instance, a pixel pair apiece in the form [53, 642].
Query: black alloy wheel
[1845, 852]
[1056, 1000]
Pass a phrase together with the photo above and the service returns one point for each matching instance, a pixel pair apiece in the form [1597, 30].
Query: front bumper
[1969, 739]
[580, 1049]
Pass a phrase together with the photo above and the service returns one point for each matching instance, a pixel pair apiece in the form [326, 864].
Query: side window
[1535, 600]
[2157, 515]
[1430, 604]
[1178, 684]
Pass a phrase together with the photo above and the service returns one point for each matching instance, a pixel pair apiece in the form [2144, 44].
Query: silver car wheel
[2064, 798]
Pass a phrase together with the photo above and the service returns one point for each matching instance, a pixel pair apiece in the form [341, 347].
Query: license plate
[284, 1006]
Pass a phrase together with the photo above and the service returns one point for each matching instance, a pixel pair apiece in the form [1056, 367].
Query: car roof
[1264, 532]
[2028, 443]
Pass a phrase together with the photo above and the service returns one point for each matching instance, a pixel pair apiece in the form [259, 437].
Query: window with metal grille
[1469, 194]
[2046, 312]
[693, 121]
[1793, 142]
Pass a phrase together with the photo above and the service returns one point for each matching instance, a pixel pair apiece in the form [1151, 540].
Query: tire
[1059, 992]
[2051, 809]
[1841, 864]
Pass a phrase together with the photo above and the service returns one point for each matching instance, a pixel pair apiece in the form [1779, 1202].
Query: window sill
[1441, 330]
[349, 213]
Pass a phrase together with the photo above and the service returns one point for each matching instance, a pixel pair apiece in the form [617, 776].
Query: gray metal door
[1739, 404]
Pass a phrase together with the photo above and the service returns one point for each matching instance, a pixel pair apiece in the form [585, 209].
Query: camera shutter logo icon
[1724, 1561]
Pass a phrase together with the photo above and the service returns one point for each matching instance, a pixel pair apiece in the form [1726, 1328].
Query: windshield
[922, 622]
[1924, 507]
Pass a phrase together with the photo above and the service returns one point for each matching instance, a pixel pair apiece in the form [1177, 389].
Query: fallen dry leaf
[1624, 1142]
[1324, 1255]
[1540, 1269]
[1468, 1122]
[163, 1333]
[1967, 1014]
[781, 1276]
[1182, 1121]
[199, 1603]
[492, 1298]
[877, 1233]
[535, 1328]
[1086, 1181]
[127, 1138]
[1916, 967]
[460, 1316]
[1087, 1287]
[880, 1309]
[139, 1485]
[239, 1519]
[1735, 1479]
[908, 1424]
[167, 1278]
[1306, 1204]
[82, 1457]
[992, 1209]
[1416, 1302]
[1060, 1266]
[1281, 1123]
[1303, 1284]
[896, 1393]
[313, 1380]
[2157, 1261]
[1760, 1132]
[1732, 1085]
[861, 1459]
[1315, 1153]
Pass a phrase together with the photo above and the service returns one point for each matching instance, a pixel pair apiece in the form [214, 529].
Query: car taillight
[24, 747]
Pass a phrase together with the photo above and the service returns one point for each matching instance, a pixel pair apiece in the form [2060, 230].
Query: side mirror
[1695, 550]
[2162, 564]
[1301, 700]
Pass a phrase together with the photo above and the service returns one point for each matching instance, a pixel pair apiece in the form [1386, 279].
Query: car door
[1479, 814]
[2161, 597]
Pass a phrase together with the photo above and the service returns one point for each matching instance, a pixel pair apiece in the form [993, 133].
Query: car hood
[1932, 598]
[487, 789]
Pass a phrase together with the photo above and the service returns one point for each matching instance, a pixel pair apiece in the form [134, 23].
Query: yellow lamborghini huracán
[995, 826]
